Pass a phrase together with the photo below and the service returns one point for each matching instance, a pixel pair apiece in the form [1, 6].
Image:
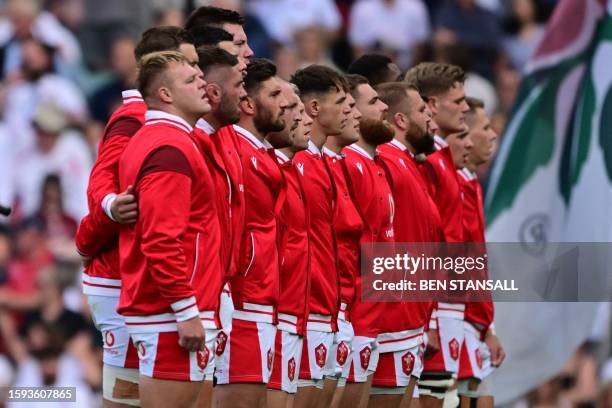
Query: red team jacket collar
[282, 157]
[398, 145]
[156, 116]
[439, 142]
[329, 152]
[358, 149]
[249, 137]
[467, 174]
[313, 149]
[205, 126]
[131, 95]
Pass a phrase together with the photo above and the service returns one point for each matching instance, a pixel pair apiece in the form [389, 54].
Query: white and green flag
[552, 182]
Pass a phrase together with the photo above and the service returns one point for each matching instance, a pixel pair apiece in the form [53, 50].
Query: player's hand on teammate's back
[191, 334]
[125, 207]
[497, 351]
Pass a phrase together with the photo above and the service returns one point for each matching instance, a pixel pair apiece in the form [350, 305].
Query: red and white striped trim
[153, 117]
[401, 340]
[287, 323]
[467, 174]
[164, 322]
[329, 152]
[131, 95]
[439, 142]
[93, 285]
[319, 322]
[398, 145]
[205, 126]
[185, 309]
[250, 137]
[313, 149]
[281, 157]
[255, 313]
[358, 149]
[450, 310]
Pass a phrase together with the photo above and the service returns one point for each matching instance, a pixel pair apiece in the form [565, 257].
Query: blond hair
[151, 66]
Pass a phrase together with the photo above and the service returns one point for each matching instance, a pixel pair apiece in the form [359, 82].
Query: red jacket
[373, 199]
[98, 236]
[324, 286]
[441, 174]
[170, 268]
[348, 226]
[478, 313]
[223, 186]
[416, 216]
[254, 287]
[294, 252]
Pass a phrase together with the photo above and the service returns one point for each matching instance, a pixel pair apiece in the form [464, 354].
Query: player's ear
[214, 93]
[247, 105]
[433, 102]
[164, 94]
[400, 121]
[313, 107]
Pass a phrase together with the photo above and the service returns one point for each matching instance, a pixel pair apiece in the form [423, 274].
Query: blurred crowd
[63, 65]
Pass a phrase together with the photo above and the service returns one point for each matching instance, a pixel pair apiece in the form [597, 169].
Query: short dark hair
[353, 81]
[214, 16]
[209, 35]
[165, 38]
[318, 79]
[211, 57]
[258, 71]
[432, 78]
[393, 94]
[375, 67]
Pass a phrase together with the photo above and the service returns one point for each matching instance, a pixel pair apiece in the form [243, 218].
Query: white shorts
[163, 358]
[249, 353]
[338, 364]
[396, 368]
[226, 308]
[451, 334]
[315, 353]
[475, 361]
[364, 359]
[287, 358]
[118, 349]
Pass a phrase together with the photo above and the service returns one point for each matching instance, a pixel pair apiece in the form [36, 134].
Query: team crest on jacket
[478, 358]
[453, 346]
[359, 167]
[364, 357]
[342, 353]
[291, 369]
[254, 161]
[321, 355]
[408, 360]
[221, 342]
[270, 358]
[203, 357]
[109, 339]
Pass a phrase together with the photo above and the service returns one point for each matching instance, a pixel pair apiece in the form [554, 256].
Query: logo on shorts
[364, 356]
[109, 338]
[221, 342]
[478, 358]
[291, 369]
[321, 355]
[342, 353]
[408, 360]
[270, 358]
[203, 357]
[142, 351]
[453, 347]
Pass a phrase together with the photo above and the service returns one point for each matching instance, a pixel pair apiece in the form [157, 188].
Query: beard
[375, 131]
[228, 112]
[420, 139]
[265, 122]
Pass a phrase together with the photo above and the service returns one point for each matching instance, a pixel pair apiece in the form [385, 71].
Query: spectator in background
[38, 82]
[25, 19]
[58, 150]
[526, 33]
[123, 65]
[399, 27]
[376, 69]
[282, 19]
[311, 47]
[465, 22]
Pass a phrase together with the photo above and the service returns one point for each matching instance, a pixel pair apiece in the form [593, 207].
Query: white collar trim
[360, 150]
[157, 116]
[282, 157]
[312, 148]
[205, 126]
[250, 137]
[131, 95]
[329, 152]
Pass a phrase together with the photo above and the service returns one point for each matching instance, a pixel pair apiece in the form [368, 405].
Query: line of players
[227, 212]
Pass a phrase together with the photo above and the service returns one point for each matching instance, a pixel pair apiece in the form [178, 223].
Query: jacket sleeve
[97, 230]
[164, 194]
